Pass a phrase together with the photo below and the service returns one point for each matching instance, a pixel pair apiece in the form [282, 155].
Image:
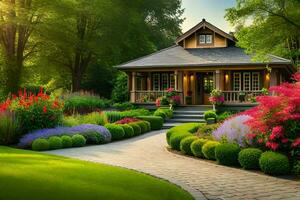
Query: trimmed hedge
[117, 132]
[210, 114]
[249, 158]
[55, 142]
[78, 140]
[196, 147]
[66, 141]
[176, 139]
[136, 128]
[129, 131]
[227, 154]
[208, 149]
[185, 144]
[148, 125]
[164, 113]
[274, 163]
[40, 144]
[155, 121]
[94, 138]
[144, 127]
[185, 128]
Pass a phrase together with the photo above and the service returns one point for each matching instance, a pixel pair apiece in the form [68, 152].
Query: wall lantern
[226, 77]
[192, 77]
[268, 76]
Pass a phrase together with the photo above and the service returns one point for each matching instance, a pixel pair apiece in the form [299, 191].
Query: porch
[194, 86]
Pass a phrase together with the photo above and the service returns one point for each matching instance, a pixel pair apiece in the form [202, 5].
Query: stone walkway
[204, 180]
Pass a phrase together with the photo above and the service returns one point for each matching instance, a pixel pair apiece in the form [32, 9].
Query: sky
[212, 10]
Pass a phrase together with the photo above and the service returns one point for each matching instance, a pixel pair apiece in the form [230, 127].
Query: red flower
[45, 109]
[296, 143]
[260, 140]
[272, 145]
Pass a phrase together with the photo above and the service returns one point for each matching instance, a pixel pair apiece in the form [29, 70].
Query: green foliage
[66, 141]
[94, 118]
[249, 158]
[148, 125]
[120, 90]
[296, 168]
[223, 116]
[55, 142]
[160, 113]
[77, 102]
[227, 154]
[210, 114]
[94, 138]
[78, 140]
[206, 130]
[70, 121]
[185, 144]
[129, 131]
[9, 128]
[144, 127]
[208, 149]
[124, 106]
[136, 128]
[114, 116]
[274, 163]
[196, 147]
[164, 113]
[264, 16]
[185, 128]
[155, 121]
[117, 132]
[40, 144]
[175, 140]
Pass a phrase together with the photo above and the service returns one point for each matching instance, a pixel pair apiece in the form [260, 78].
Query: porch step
[169, 125]
[182, 120]
[189, 112]
[194, 108]
[188, 116]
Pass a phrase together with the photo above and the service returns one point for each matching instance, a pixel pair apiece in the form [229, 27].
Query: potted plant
[210, 120]
[216, 98]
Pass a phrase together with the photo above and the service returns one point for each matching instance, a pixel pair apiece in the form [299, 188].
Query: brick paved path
[148, 153]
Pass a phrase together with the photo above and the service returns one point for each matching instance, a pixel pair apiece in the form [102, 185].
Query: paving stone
[204, 180]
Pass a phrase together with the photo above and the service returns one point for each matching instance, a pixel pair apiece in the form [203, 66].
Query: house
[202, 59]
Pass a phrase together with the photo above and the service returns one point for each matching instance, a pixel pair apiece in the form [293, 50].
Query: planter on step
[211, 120]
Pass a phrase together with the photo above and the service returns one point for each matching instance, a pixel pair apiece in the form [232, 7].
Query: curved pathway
[204, 180]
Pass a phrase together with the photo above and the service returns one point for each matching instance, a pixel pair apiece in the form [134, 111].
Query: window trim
[244, 81]
[240, 80]
[205, 40]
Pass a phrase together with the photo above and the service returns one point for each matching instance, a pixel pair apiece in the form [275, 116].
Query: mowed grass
[37, 176]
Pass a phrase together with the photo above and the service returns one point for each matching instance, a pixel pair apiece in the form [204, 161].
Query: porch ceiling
[177, 56]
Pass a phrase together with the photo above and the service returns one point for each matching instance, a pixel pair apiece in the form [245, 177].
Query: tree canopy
[267, 26]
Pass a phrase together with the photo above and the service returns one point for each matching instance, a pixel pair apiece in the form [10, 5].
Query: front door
[204, 85]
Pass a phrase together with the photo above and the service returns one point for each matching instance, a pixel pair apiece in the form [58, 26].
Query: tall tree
[268, 26]
[18, 20]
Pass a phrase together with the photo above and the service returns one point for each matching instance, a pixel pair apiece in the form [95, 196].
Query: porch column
[218, 79]
[133, 89]
[176, 80]
[193, 87]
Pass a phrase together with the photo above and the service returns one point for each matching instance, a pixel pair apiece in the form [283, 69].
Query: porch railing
[241, 96]
[150, 96]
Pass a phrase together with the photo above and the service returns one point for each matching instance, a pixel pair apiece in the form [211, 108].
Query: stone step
[190, 112]
[185, 120]
[188, 116]
[195, 108]
[169, 125]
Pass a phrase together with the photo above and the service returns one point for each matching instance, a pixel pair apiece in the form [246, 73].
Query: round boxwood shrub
[129, 132]
[143, 126]
[176, 139]
[78, 140]
[148, 125]
[185, 144]
[136, 128]
[274, 163]
[94, 138]
[249, 158]
[208, 149]
[210, 114]
[40, 144]
[117, 132]
[160, 113]
[196, 147]
[66, 141]
[155, 121]
[227, 154]
[55, 142]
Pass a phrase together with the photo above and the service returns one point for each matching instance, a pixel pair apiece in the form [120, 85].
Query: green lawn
[37, 176]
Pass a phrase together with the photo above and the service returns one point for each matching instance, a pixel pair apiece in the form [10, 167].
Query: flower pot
[211, 120]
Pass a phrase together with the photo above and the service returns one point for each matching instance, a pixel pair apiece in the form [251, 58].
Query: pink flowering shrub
[127, 120]
[216, 97]
[275, 122]
[170, 97]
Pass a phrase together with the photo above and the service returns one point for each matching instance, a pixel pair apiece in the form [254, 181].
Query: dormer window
[205, 39]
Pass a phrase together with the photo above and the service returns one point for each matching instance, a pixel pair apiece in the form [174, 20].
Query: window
[247, 81]
[156, 82]
[172, 81]
[255, 81]
[208, 80]
[237, 81]
[165, 81]
[205, 39]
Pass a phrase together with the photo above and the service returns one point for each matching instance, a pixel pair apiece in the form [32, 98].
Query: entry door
[205, 84]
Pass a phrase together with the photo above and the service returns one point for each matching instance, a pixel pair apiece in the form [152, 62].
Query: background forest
[72, 45]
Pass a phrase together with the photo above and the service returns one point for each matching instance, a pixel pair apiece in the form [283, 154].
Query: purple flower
[233, 130]
[83, 129]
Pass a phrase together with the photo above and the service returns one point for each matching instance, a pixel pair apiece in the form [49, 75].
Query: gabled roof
[203, 24]
[177, 56]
